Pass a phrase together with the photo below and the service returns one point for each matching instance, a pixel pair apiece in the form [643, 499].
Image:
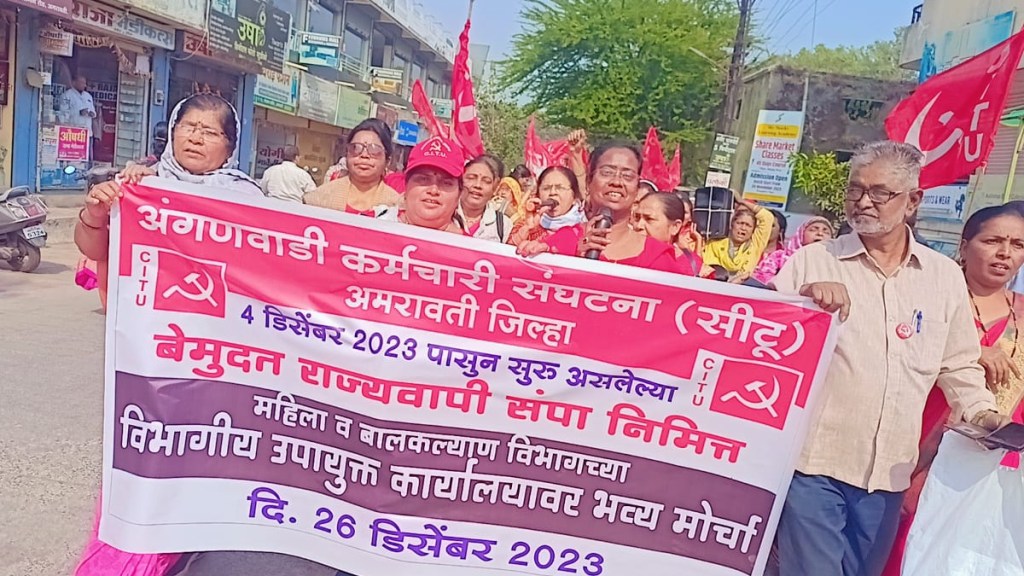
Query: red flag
[538, 154]
[954, 115]
[422, 105]
[655, 168]
[465, 122]
[675, 171]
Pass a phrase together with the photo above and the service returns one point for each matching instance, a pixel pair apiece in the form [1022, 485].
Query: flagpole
[470, 15]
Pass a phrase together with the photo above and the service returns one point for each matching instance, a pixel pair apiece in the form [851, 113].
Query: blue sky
[788, 21]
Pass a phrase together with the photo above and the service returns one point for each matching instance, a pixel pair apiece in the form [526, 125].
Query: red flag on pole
[675, 170]
[465, 122]
[422, 105]
[538, 155]
[655, 168]
[953, 116]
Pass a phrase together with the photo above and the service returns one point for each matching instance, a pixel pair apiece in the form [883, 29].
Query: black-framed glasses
[357, 148]
[877, 194]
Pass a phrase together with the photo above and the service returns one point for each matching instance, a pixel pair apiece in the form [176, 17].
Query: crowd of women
[558, 211]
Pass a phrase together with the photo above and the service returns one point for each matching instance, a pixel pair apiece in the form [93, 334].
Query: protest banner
[385, 399]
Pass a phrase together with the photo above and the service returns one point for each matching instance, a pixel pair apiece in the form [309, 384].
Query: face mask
[571, 218]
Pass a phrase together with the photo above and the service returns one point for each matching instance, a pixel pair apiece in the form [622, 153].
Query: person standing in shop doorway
[78, 108]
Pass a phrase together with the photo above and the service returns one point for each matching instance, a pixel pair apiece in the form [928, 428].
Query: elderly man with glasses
[907, 327]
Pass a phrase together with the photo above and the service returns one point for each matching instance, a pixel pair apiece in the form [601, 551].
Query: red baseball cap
[437, 152]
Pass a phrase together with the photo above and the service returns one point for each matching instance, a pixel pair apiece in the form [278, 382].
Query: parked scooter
[22, 213]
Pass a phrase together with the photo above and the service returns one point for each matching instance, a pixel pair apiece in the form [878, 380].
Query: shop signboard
[769, 175]
[72, 143]
[723, 152]
[191, 13]
[89, 14]
[278, 90]
[407, 133]
[443, 107]
[353, 107]
[318, 99]
[387, 80]
[944, 203]
[319, 50]
[53, 40]
[251, 32]
[388, 115]
[717, 179]
[956, 46]
[59, 8]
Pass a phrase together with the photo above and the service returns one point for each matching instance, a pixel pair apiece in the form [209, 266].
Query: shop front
[107, 123]
[277, 98]
[320, 142]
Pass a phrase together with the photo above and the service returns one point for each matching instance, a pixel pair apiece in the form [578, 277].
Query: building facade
[298, 71]
[942, 34]
[840, 113]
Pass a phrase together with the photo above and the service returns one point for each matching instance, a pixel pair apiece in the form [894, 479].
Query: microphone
[603, 224]
[550, 203]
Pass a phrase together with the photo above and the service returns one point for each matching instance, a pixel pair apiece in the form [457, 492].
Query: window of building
[353, 44]
[322, 20]
[417, 72]
[399, 62]
[297, 9]
[433, 87]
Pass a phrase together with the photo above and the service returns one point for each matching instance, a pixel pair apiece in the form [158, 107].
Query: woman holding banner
[433, 178]
[367, 153]
[204, 140]
[559, 205]
[991, 253]
[613, 182]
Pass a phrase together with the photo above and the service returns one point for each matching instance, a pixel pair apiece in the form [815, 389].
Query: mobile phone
[1010, 437]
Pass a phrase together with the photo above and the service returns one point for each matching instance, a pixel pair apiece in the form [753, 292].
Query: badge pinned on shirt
[904, 330]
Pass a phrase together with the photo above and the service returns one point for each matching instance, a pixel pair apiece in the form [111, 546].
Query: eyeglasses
[555, 188]
[610, 173]
[877, 194]
[357, 149]
[190, 129]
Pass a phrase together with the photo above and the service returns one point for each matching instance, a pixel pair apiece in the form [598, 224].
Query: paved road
[51, 393]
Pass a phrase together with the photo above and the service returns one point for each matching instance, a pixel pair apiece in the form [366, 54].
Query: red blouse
[655, 255]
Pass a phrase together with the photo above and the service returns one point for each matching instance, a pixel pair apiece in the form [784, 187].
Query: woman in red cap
[433, 184]
[613, 180]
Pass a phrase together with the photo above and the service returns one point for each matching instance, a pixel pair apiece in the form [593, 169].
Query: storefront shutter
[1006, 137]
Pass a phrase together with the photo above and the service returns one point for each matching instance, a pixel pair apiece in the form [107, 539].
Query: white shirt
[488, 228]
[72, 104]
[286, 181]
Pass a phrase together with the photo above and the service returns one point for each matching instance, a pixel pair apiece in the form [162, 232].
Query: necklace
[1010, 303]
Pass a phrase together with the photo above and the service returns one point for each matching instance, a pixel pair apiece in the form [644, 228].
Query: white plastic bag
[970, 519]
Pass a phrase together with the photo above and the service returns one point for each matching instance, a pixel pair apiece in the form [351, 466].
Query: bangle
[86, 224]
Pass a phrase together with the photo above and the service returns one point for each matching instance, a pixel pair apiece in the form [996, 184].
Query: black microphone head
[550, 203]
[606, 218]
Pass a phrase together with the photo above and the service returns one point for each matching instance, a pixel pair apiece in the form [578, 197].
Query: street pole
[1013, 163]
[734, 83]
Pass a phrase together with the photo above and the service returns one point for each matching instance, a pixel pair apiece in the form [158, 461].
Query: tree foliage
[822, 178]
[878, 60]
[616, 67]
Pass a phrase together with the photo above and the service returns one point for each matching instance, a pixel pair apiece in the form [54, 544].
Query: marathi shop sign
[252, 32]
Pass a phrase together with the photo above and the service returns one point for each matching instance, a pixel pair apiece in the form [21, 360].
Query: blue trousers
[829, 528]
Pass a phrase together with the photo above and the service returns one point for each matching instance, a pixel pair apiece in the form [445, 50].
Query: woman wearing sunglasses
[363, 191]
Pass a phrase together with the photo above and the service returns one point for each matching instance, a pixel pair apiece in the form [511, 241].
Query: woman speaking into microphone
[613, 179]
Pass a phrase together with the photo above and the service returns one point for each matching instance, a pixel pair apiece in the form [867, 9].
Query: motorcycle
[22, 213]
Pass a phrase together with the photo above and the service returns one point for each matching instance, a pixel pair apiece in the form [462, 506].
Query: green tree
[878, 60]
[823, 180]
[616, 67]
